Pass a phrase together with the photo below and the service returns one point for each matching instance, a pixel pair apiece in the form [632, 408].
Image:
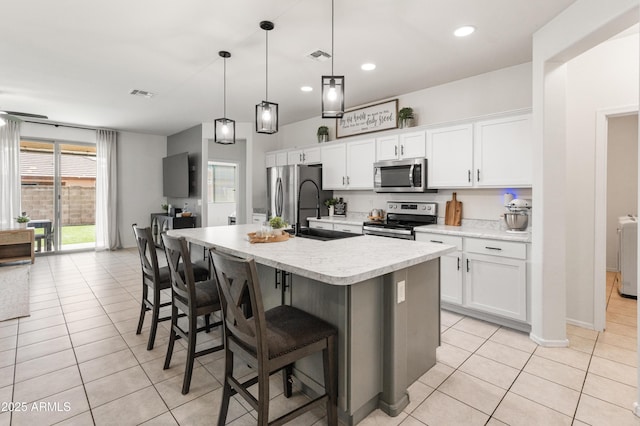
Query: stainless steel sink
[323, 234]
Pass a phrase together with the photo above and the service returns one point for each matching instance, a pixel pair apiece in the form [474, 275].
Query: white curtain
[10, 173]
[107, 233]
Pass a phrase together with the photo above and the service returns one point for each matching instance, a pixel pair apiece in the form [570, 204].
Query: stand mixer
[517, 215]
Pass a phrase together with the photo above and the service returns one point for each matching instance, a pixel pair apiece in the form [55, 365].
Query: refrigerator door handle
[279, 197]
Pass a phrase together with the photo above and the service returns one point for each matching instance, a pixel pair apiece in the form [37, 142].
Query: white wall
[622, 178]
[502, 90]
[56, 133]
[139, 181]
[139, 171]
[494, 92]
[483, 204]
[581, 26]
[601, 78]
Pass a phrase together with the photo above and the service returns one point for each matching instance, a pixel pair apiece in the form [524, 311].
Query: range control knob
[425, 208]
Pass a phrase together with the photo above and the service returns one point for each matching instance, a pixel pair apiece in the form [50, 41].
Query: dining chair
[269, 341]
[192, 298]
[155, 278]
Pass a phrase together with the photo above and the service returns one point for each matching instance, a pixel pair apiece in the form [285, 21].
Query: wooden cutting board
[453, 212]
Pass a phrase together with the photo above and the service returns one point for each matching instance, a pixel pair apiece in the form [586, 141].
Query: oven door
[404, 234]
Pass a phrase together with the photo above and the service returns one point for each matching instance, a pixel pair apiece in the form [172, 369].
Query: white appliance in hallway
[628, 255]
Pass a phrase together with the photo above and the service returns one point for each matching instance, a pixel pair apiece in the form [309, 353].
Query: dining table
[47, 235]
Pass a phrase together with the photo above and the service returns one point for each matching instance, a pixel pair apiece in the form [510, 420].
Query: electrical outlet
[401, 295]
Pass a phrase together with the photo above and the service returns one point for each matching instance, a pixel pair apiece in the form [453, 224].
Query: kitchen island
[382, 294]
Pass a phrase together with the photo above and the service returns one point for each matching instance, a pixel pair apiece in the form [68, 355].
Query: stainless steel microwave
[400, 175]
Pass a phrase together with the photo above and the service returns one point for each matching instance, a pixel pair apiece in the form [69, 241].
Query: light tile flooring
[78, 358]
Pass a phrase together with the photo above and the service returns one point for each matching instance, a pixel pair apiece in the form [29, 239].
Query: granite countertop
[476, 232]
[339, 262]
[470, 228]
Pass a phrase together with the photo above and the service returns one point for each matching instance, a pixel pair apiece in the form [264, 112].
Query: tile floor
[78, 357]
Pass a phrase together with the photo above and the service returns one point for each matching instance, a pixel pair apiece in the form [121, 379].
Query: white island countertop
[339, 262]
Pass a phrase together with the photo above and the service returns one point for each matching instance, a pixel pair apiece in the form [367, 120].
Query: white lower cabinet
[488, 276]
[320, 225]
[496, 285]
[342, 227]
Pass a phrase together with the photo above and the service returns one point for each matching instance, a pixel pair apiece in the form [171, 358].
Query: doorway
[58, 190]
[609, 203]
[222, 193]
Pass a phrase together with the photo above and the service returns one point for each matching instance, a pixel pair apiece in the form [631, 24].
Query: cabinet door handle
[343, 180]
[304, 157]
[492, 248]
[401, 149]
[469, 175]
[347, 180]
[395, 150]
[436, 241]
[300, 155]
[467, 265]
[478, 175]
[458, 263]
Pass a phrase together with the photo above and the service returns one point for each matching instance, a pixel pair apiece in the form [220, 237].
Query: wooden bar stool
[192, 298]
[269, 341]
[154, 280]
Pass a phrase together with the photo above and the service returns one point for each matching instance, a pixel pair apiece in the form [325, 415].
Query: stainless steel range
[402, 217]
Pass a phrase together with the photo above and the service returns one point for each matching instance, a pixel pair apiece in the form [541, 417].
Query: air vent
[319, 55]
[143, 93]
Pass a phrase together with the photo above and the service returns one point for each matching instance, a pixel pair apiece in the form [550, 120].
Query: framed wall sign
[372, 118]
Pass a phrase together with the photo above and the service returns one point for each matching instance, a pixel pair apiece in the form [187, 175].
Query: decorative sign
[372, 118]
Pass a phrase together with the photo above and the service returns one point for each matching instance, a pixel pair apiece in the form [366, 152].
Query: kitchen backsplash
[477, 204]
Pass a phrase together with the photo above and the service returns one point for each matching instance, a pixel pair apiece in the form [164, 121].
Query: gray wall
[190, 141]
[622, 178]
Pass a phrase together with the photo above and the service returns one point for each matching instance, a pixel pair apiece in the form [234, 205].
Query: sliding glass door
[58, 193]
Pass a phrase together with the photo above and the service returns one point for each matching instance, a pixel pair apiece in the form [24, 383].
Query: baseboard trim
[582, 324]
[562, 343]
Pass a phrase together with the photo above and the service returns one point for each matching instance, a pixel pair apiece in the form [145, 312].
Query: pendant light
[225, 129]
[267, 112]
[332, 88]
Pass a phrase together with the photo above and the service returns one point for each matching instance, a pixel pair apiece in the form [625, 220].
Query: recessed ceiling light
[368, 67]
[464, 31]
[306, 88]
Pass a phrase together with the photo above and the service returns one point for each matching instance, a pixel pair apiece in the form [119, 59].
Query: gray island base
[382, 294]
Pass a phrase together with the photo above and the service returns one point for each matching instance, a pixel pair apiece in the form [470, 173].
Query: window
[222, 179]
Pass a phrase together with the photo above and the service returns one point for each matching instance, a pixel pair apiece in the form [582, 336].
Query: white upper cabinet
[304, 156]
[387, 148]
[502, 152]
[360, 159]
[412, 145]
[334, 166]
[348, 165]
[270, 159]
[450, 157]
[397, 147]
[281, 159]
[488, 153]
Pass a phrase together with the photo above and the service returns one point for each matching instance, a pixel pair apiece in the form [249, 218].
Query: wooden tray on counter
[253, 238]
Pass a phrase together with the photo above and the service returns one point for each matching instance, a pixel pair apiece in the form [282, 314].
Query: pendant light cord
[266, 66]
[224, 90]
[332, 37]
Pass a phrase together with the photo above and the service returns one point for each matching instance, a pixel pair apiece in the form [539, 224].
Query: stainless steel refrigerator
[283, 183]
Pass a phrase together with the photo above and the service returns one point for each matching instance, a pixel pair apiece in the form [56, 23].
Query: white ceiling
[76, 61]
